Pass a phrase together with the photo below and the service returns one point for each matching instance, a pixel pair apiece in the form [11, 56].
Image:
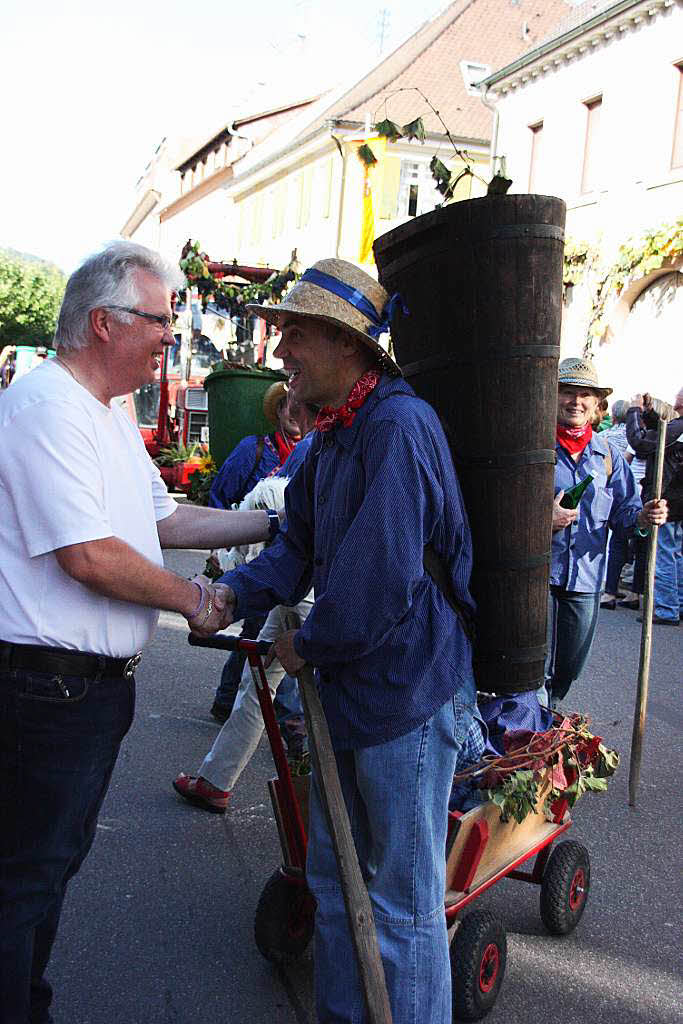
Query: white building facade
[595, 116]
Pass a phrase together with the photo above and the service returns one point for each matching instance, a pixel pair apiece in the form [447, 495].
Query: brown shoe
[201, 793]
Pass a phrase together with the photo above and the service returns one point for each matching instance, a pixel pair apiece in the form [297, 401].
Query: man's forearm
[115, 569]
[192, 526]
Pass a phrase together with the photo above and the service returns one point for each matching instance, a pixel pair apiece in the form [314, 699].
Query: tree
[30, 296]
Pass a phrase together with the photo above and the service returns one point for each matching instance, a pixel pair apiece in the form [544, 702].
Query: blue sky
[89, 89]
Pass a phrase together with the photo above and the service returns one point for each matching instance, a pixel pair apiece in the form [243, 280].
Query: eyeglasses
[159, 318]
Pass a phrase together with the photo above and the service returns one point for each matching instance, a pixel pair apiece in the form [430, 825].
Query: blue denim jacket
[359, 512]
[578, 552]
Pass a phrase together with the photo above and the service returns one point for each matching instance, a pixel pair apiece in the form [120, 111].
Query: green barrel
[236, 407]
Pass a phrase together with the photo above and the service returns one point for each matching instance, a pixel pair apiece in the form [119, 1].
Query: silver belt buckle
[131, 665]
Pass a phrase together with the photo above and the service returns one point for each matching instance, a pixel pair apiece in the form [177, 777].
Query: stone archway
[646, 353]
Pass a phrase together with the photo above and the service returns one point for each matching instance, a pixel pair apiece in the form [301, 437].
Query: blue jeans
[574, 618]
[669, 572]
[397, 797]
[232, 670]
[57, 753]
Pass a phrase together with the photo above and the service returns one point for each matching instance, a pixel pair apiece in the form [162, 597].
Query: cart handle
[229, 643]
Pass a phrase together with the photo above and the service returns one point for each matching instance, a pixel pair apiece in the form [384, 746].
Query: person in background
[258, 455]
[619, 545]
[254, 458]
[85, 515]
[579, 539]
[602, 419]
[211, 788]
[393, 659]
[668, 595]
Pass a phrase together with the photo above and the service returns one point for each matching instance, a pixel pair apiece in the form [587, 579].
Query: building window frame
[536, 154]
[677, 141]
[592, 168]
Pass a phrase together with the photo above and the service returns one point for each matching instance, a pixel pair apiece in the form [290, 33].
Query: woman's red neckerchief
[574, 439]
[285, 446]
[328, 417]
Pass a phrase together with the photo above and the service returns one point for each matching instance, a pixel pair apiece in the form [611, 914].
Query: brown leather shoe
[201, 793]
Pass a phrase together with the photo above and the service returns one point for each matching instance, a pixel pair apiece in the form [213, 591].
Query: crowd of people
[343, 506]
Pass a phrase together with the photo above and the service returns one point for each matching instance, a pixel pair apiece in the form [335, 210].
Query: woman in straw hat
[579, 540]
[393, 659]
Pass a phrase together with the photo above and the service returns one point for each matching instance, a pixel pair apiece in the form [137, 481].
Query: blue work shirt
[579, 551]
[238, 475]
[360, 510]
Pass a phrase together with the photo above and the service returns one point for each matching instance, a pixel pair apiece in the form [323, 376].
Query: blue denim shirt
[368, 497]
[578, 551]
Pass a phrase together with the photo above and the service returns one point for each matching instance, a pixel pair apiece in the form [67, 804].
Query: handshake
[215, 610]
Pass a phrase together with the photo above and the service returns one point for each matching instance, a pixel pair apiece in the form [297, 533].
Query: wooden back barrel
[482, 281]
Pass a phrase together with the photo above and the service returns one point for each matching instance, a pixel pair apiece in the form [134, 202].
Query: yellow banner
[372, 187]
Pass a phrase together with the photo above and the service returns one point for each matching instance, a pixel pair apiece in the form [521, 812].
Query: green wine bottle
[572, 497]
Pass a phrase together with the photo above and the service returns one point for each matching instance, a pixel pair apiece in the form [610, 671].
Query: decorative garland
[636, 258]
[231, 298]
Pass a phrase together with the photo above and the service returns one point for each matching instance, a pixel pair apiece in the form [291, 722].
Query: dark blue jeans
[59, 740]
[574, 618]
[618, 557]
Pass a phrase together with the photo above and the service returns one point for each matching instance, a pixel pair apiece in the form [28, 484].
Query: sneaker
[198, 791]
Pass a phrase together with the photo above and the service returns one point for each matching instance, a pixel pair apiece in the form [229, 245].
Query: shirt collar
[346, 436]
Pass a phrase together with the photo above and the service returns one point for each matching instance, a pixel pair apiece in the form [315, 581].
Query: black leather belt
[63, 662]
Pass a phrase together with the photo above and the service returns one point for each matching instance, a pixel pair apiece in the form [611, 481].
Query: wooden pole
[646, 635]
[356, 899]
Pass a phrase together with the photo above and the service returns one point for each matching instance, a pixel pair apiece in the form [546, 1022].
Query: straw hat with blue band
[341, 294]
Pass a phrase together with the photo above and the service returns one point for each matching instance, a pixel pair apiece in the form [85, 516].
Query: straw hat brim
[337, 312]
[575, 382]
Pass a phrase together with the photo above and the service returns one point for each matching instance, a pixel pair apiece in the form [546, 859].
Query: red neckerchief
[573, 439]
[285, 446]
[328, 417]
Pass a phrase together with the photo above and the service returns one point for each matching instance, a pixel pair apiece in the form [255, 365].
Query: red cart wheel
[478, 957]
[565, 886]
[285, 916]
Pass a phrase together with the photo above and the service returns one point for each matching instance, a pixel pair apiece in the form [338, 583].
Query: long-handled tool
[646, 635]
[356, 899]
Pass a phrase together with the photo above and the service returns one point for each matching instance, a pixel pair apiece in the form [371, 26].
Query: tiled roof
[491, 32]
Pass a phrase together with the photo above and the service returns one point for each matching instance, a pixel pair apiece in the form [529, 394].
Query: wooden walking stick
[646, 635]
[356, 899]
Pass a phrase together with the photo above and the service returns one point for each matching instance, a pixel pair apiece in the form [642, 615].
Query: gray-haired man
[85, 515]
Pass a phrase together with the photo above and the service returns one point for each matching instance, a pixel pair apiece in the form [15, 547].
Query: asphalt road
[158, 925]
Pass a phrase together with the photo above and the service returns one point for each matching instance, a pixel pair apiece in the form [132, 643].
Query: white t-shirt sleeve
[56, 479]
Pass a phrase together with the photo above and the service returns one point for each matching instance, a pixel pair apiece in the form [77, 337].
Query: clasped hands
[216, 609]
[216, 612]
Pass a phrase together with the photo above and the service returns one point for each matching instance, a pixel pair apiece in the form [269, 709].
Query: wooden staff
[646, 635]
[356, 899]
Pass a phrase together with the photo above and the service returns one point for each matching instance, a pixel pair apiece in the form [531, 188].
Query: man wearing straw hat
[579, 541]
[392, 658]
